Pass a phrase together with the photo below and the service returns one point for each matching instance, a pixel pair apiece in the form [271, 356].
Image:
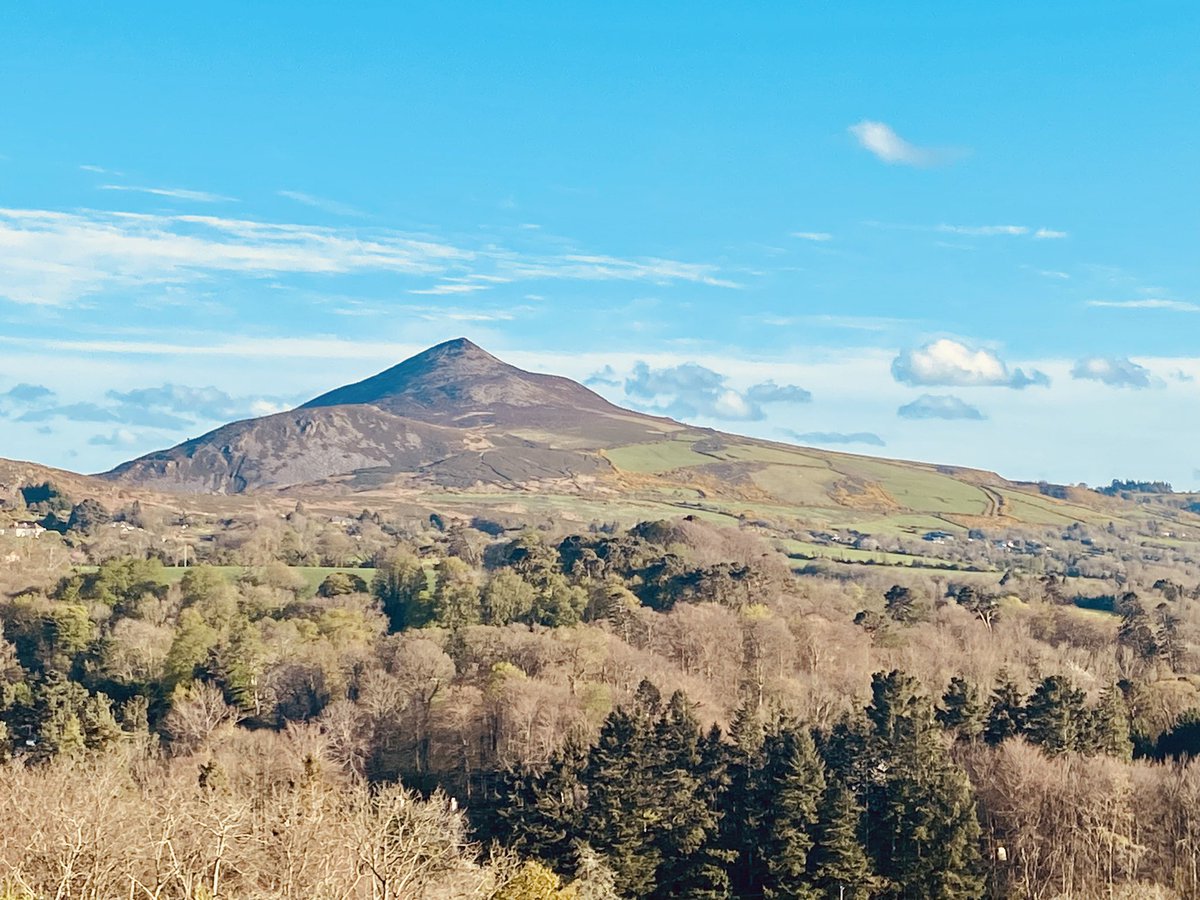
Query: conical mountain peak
[452, 415]
[459, 361]
[459, 383]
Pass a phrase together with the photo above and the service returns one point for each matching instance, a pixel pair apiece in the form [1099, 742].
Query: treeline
[1130, 486]
[874, 807]
[524, 678]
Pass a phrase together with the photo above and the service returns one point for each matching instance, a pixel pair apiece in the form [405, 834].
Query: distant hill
[456, 427]
[453, 416]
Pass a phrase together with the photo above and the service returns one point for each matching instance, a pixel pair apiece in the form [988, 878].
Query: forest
[677, 709]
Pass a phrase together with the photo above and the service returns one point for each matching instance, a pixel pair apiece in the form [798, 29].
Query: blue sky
[966, 233]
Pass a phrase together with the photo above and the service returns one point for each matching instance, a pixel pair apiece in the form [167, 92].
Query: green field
[312, 575]
[807, 550]
[657, 457]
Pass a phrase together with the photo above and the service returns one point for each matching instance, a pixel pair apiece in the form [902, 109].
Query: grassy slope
[852, 491]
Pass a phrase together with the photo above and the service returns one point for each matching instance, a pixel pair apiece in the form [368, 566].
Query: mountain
[460, 385]
[453, 416]
[456, 428]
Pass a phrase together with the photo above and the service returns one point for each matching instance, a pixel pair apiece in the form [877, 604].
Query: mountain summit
[459, 383]
[451, 416]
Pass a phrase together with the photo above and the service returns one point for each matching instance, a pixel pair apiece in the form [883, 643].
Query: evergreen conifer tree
[842, 869]
[1056, 718]
[688, 777]
[793, 777]
[924, 833]
[1109, 731]
[624, 805]
[961, 711]
[745, 805]
[1006, 715]
[541, 810]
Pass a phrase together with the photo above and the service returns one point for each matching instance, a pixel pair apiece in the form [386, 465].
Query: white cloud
[939, 406]
[819, 236]
[330, 206]
[984, 230]
[690, 390]
[610, 268]
[1170, 305]
[1113, 371]
[56, 258]
[881, 140]
[1039, 234]
[950, 363]
[173, 193]
[455, 288]
[453, 315]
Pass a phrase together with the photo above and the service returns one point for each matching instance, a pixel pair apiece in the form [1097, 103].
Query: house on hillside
[938, 537]
[23, 529]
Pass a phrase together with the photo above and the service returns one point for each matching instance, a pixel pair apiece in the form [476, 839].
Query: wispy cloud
[173, 193]
[984, 230]
[947, 363]
[453, 288]
[1001, 231]
[1169, 305]
[940, 406]
[819, 236]
[866, 438]
[610, 268]
[330, 206]
[56, 258]
[1113, 371]
[823, 320]
[881, 140]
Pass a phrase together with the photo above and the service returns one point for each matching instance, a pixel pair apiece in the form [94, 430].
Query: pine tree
[623, 802]
[1006, 715]
[961, 711]
[237, 665]
[540, 814]
[688, 773]
[841, 870]
[924, 833]
[900, 604]
[744, 805]
[1055, 716]
[794, 777]
[1109, 721]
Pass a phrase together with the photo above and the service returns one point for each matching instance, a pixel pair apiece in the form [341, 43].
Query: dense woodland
[677, 709]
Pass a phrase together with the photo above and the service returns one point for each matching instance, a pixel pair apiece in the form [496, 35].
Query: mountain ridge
[451, 416]
[456, 425]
